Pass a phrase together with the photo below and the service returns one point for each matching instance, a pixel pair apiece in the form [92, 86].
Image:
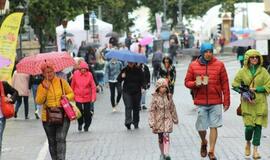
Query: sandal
[212, 156]
[204, 149]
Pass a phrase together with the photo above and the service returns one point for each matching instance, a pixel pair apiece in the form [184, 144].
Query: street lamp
[165, 30]
[64, 24]
[180, 28]
[20, 8]
[93, 21]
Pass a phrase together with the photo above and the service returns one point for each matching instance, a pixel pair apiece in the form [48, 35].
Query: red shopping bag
[6, 107]
[68, 108]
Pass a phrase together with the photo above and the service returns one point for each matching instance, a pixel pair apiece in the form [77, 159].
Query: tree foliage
[45, 15]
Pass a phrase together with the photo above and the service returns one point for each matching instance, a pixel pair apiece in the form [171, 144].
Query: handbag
[55, 115]
[6, 107]
[68, 108]
[239, 110]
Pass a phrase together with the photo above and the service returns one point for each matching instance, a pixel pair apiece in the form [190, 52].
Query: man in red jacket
[208, 80]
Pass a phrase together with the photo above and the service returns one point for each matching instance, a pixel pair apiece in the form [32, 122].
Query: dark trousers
[253, 133]
[26, 104]
[114, 86]
[87, 110]
[56, 135]
[132, 108]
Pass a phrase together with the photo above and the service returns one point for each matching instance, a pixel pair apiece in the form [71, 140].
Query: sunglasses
[254, 57]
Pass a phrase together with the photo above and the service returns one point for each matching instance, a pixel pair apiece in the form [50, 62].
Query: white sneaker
[114, 109]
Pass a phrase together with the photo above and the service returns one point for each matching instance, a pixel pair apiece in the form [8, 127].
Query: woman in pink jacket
[84, 89]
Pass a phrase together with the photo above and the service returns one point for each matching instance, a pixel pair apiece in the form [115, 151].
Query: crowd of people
[206, 77]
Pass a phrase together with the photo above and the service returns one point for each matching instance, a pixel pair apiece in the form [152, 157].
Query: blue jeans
[2, 127]
[34, 92]
[143, 97]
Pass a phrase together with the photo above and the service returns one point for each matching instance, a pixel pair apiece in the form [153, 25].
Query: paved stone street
[108, 139]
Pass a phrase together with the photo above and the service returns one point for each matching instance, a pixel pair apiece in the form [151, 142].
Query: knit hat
[161, 82]
[205, 47]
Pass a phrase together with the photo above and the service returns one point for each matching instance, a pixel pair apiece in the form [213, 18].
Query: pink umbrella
[32, 64]
[146, 40]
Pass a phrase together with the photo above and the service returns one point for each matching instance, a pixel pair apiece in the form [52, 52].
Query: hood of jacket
[250, 53]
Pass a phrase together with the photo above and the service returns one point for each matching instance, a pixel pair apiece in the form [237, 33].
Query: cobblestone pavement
[108, 139]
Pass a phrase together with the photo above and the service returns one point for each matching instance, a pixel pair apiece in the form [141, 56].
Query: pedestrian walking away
[253, 83]
[4, 86]
[33, 84]
[84, 89]
[146, 85]
[132, 77]
[156, 63]
[168, 72]
[208, 80]
[162, 116]
[112, 70]
[56, 125]
[20, 81]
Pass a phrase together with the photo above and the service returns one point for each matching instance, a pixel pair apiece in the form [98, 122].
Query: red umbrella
[31, 65]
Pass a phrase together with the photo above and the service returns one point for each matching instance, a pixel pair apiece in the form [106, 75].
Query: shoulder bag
[6, 107]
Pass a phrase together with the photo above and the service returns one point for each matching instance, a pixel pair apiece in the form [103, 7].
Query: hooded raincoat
[254, 113]
[162, 114]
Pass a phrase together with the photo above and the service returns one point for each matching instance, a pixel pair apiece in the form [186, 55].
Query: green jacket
[256, 113]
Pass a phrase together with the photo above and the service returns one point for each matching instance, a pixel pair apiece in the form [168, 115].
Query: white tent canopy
[76, 28]
[263, 34]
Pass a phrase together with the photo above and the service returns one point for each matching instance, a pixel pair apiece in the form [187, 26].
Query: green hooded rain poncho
[256, 113]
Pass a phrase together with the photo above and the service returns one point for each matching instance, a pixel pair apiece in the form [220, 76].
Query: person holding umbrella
[162, 116]
[133, 79]
[49, 93]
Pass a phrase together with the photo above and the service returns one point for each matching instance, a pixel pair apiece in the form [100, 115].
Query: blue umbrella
[126, 55]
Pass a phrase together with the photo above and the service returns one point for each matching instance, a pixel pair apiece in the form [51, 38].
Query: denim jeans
[56, 135]
[2, 127]
[143, 97]
[34, 92]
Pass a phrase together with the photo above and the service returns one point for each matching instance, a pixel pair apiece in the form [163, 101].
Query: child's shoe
[162, 157]
[167, 157]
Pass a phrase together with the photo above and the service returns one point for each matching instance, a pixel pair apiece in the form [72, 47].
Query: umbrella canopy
[4, 62]
[32, 64]
[67, 34]
[126, 55]
[145, 41]
[112, 34]
[242, 43]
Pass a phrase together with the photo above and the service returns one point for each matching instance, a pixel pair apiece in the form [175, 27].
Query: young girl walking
[162, 116]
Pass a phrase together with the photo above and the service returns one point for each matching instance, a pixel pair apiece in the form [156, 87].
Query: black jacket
[134, 80]
[10, 90]
[146, 76]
